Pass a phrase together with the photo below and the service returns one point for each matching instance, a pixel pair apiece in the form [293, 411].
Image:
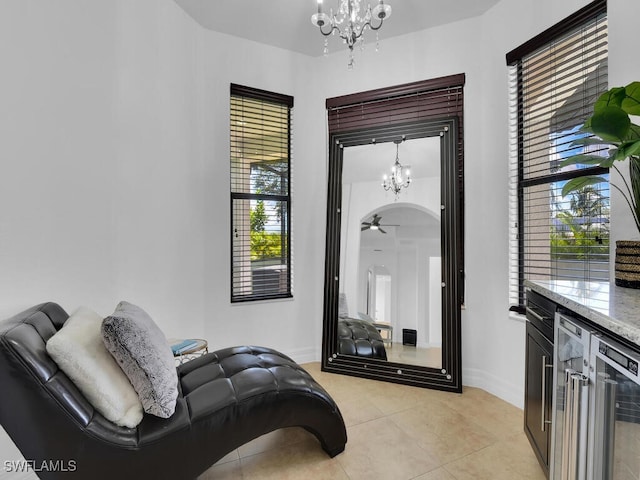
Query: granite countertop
[616, 309]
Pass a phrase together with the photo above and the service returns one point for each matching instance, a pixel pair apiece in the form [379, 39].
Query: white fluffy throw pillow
[79, 351]
[142, 351]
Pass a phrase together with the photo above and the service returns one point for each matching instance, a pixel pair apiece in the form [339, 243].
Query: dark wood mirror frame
[449, 376]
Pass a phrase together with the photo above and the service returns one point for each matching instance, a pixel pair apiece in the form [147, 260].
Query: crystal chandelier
[350, 22]
[400, 175]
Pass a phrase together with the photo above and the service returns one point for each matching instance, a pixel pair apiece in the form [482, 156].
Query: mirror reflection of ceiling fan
[374, 224]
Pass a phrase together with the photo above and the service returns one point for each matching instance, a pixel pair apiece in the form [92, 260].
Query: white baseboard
[304, 355]
[512, 393]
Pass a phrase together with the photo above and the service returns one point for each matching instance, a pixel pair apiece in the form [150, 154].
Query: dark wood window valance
[435, 98]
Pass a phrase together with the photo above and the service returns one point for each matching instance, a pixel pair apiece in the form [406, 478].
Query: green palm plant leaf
[586, 141]
[579, 183]
[587, 159]
[611, 123]
[613, 129]
[631, 101]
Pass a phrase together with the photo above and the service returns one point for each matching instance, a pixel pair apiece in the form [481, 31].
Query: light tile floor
[395, 432]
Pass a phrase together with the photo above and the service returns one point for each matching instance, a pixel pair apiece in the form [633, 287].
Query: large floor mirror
[393, 271]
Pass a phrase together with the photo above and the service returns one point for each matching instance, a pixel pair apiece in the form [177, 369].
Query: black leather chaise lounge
[226, 398]
[360, 338]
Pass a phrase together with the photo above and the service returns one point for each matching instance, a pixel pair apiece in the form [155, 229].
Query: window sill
[261, 301]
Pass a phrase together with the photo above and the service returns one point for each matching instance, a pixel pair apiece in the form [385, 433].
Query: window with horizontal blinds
[260, 125]
[554, 80]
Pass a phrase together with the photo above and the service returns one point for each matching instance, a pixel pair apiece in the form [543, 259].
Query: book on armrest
[184, 345]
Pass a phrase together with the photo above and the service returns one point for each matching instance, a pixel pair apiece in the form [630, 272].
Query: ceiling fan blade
[381, 230]
[364, 227]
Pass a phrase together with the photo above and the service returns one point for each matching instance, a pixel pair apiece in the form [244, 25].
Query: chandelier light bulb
[381, 11]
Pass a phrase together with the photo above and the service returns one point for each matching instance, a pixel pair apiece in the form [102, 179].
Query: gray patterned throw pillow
[142, 351]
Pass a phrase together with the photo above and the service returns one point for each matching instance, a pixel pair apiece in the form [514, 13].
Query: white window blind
[260, 194]
[554, 80]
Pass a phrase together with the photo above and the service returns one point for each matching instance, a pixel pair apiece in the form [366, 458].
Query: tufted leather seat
[360, 338]
[226, 398]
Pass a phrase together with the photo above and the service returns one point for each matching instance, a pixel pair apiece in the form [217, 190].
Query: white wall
[101, 185]
[115, 178]
[623, 69]
[292, 326]
[114, 181]
[158, 196]
[57, 154]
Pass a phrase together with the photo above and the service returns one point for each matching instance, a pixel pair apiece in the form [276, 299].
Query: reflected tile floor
[395, 432]
[425, 357]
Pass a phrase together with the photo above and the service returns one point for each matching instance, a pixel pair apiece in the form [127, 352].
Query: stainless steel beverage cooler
[596, 416]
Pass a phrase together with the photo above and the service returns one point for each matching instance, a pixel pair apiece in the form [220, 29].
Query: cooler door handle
[609, 437]
[605, 426]
[571, 435]
[566, 425]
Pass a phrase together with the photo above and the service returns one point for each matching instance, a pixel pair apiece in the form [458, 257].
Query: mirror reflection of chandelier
[350, 22]
[400, 175]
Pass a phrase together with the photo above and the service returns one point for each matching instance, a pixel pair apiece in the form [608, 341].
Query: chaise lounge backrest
[46, 415]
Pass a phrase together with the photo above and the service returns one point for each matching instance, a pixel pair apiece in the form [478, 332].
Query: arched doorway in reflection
[399, 275]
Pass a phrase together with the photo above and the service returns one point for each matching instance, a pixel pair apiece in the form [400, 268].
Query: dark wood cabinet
[538, 383]
[538, 394]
